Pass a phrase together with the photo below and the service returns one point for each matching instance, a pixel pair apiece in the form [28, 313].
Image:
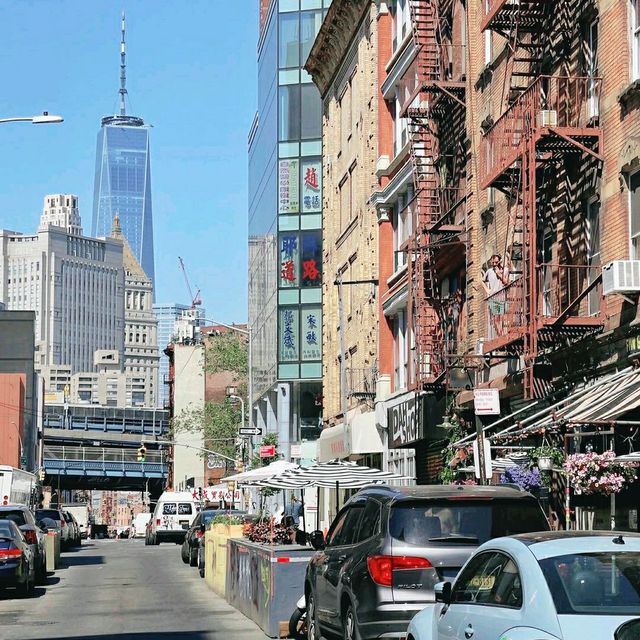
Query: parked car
[17, 566]
[173, 515]
[99, 531]
[32, 534]
[139, 525]
[389, 546]
[552, 585]
[195, 533]
[76, 534]
[56, 514]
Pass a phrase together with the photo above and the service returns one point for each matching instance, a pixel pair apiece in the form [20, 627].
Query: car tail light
[199, 533]
[5, 500]
[30, 536]
[10, 554]
[381, 568]
[158, 521]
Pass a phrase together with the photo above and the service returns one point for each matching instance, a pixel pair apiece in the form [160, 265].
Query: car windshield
[463, 521]
[16, 516]
[594, 583]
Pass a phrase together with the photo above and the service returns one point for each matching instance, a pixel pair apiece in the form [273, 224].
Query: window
[635, 40]
[169, 509]
[400, 126]
[590, 46]
[309, 27]
[491, 579]
[184, 508]
[335, 529]
[370, 523]
[634, 213]
[400, 346]
[346, 532]
[289, 41]
[289, 115]
[593, 252]
[311, 112]
[345, 116]
[401, 22]
[345, 201]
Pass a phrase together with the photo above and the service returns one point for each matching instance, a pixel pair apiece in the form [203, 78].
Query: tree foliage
[217, 422]
[227, 352]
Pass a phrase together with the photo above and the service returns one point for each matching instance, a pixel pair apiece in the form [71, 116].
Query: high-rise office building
[75, 285]
[285, 227]
[123, 178]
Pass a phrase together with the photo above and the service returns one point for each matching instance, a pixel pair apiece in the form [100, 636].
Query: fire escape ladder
[424, 22]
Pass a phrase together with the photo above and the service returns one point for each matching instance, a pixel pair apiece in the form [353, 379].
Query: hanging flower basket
[598, 473]
[527, 479]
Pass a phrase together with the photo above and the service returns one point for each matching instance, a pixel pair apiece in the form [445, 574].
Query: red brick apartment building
[505, 128]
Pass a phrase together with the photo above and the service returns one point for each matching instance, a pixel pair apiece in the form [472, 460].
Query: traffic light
[142, 453]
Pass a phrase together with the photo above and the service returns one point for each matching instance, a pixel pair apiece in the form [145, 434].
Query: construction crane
[195, 299]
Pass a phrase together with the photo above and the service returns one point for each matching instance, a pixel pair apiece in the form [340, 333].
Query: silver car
[543, 586]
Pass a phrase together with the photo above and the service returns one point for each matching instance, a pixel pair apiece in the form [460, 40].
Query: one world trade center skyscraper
[123, 177]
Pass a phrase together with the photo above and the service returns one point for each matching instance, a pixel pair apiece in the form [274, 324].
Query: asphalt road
[120, 589]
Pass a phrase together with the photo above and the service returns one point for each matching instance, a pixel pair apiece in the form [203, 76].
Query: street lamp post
[44, 118]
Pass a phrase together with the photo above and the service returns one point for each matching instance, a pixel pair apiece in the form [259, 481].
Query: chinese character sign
[311, 259]
[311, 333]
[288, 194]
[289, 260]
[311, 175]
[289, 334]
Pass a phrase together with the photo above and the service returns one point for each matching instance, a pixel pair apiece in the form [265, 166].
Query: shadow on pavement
[166, 635]
[81, 561]
[38, 591]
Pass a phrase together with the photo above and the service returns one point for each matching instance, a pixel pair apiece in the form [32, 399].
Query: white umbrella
[261, 473]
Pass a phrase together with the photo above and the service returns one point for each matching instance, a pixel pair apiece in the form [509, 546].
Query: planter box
[264, 582]
[215, 554]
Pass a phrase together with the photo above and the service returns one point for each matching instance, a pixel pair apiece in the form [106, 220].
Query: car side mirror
[316, 539]
[442, 591]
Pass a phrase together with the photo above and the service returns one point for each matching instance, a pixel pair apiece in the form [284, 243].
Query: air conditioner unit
[547, 118]
[621, 276]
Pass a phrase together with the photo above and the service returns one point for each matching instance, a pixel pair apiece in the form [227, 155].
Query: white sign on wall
[486, 402]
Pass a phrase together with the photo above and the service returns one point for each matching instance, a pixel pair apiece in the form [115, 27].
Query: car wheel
[41, 573]
[351, 631]
[313, 631]
[156, 541]
[298, 625]
[193, 558]
[201, 562]
[184, 555]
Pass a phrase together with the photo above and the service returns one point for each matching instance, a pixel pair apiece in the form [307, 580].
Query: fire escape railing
[560, 287]
[550, 102]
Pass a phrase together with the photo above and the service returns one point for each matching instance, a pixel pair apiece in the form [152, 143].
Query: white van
[173, 515]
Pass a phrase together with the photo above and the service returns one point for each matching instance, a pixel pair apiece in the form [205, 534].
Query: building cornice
[333, 40]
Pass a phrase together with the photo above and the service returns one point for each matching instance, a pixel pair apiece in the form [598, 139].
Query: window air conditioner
[621, 276]
[547, 118]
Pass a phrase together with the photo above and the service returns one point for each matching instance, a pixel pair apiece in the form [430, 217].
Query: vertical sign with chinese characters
[311, 259]
[311, 176]
[289, 258]
[288, 193]
[311, 333]
[289, 334]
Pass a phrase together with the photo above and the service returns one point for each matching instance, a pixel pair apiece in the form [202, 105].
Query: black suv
[389, 546]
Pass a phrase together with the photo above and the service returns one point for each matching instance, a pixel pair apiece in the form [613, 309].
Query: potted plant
[598, 473]
[547, 457]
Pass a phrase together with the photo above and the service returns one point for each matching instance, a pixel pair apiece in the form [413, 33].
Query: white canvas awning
[260, 473]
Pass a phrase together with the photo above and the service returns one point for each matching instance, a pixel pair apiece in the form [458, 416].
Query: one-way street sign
[248, 431]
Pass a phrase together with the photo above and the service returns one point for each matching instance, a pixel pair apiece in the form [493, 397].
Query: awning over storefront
[364, 434]
[600, 401]
[360, 436]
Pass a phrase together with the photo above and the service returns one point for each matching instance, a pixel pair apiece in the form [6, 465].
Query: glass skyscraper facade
[123, 185]
[285, 227]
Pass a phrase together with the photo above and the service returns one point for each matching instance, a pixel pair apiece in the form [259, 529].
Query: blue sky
[191, 73]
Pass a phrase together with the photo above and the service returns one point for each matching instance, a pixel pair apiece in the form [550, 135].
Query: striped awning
[346, 475]
[600, 401]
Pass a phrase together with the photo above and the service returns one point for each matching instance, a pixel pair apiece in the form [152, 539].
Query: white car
[553, 585]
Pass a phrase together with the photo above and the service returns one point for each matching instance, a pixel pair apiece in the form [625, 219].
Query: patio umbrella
[261, 473]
